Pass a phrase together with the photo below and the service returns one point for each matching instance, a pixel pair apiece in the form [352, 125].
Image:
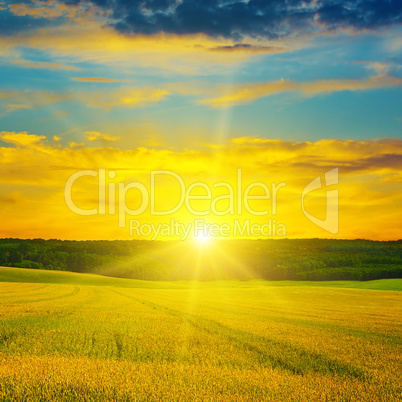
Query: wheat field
[219, 341]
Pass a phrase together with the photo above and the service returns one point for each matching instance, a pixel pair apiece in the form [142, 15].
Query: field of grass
[66, 336]
[69, 278]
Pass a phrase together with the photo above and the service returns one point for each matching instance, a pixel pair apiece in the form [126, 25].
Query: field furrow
[69, 342]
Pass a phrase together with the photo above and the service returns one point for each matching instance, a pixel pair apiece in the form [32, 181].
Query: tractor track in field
[290, 357]
[73, 293]
[37, 315]
[14, 291]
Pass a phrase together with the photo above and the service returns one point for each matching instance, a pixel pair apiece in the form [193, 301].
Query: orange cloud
[39, 10]
[220, 95]
[94, 135]
[21, 139]
[93, 79]
[21, 10]
[14, 101]
[379, 67]
[122, 97]
[119, 97]
[44, 65]
[238, 94]
[248, 48]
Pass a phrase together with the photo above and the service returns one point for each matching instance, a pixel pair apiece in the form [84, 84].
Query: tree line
[282, 259]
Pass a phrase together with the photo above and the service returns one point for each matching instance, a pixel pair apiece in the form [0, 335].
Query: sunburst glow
[202, 239]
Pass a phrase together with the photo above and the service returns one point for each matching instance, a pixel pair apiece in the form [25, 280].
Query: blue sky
[33, 68]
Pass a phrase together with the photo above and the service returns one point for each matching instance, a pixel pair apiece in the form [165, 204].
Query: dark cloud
[237, 19]
[11, 24]
[246, 47]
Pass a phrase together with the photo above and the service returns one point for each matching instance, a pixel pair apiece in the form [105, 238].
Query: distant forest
[306, 259]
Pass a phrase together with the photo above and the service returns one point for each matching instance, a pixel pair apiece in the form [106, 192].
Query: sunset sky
[284, 90]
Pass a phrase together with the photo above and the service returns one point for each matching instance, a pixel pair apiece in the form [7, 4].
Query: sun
[202, 239]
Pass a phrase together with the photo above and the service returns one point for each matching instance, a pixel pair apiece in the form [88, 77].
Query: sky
[286, 91]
